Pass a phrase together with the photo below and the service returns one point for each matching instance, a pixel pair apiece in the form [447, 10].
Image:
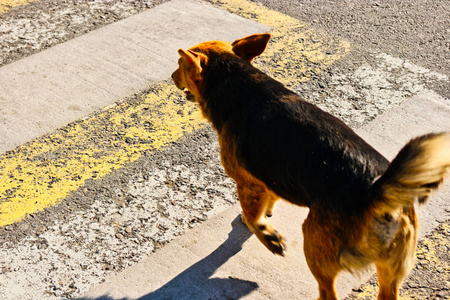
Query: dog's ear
[251, 46]
[193, 63]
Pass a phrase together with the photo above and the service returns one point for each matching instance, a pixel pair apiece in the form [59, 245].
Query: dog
[275, 145]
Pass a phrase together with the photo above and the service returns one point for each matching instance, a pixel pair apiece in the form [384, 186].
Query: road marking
[41, 173]
[6, 5]
[29, 263]
[155, 207]
[73, 79]
[297, 49]
[377, 84]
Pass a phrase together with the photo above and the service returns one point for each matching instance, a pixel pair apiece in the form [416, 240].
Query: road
[114, 181]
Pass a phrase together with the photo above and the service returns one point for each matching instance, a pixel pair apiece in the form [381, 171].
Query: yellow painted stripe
[43, 172]
[35, 176]
[300, 51]
[6, 5]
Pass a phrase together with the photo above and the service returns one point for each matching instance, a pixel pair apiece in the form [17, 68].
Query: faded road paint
[35, 176]
[296, 51]
[6, 5]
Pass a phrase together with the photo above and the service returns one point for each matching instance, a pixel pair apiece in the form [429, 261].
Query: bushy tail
[415, 172]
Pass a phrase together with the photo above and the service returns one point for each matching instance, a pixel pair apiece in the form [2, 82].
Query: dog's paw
[275, 243]
[267, 234]
[270, 237]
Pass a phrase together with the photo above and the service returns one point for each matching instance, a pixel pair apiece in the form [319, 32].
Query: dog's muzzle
[189, 95]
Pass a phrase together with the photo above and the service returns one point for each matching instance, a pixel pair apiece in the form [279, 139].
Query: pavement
[52, 148]
[93, 73]
[76, 78]
[220, 259]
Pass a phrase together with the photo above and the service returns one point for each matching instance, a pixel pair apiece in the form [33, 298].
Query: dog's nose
[173, 74]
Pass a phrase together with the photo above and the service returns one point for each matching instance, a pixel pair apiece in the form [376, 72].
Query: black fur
[302, 153]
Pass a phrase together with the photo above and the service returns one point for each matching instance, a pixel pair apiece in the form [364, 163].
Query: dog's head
[189, 75]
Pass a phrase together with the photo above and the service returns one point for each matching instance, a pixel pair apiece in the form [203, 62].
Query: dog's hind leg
[389, 282]
[391, 273]
[255, 201]
[322, 254]
[396, 262]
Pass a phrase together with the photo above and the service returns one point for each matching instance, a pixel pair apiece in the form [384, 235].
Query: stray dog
[276, 145]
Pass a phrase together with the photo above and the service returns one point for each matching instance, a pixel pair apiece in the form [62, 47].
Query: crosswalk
[130, 165]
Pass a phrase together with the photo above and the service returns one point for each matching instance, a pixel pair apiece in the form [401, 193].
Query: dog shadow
[195, 282]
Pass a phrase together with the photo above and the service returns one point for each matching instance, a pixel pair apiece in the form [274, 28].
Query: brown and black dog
[276, 145]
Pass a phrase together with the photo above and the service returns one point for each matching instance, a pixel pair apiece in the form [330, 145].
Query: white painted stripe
[47, 90]
[69, 253]
[378, 84]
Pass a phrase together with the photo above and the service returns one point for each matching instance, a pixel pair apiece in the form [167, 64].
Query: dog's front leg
[256, 201]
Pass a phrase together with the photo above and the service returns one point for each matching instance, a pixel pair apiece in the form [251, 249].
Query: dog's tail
[414, 174]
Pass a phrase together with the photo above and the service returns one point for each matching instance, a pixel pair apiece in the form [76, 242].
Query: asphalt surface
[356, 59]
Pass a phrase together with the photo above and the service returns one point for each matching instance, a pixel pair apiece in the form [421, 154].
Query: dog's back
[302, 153]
